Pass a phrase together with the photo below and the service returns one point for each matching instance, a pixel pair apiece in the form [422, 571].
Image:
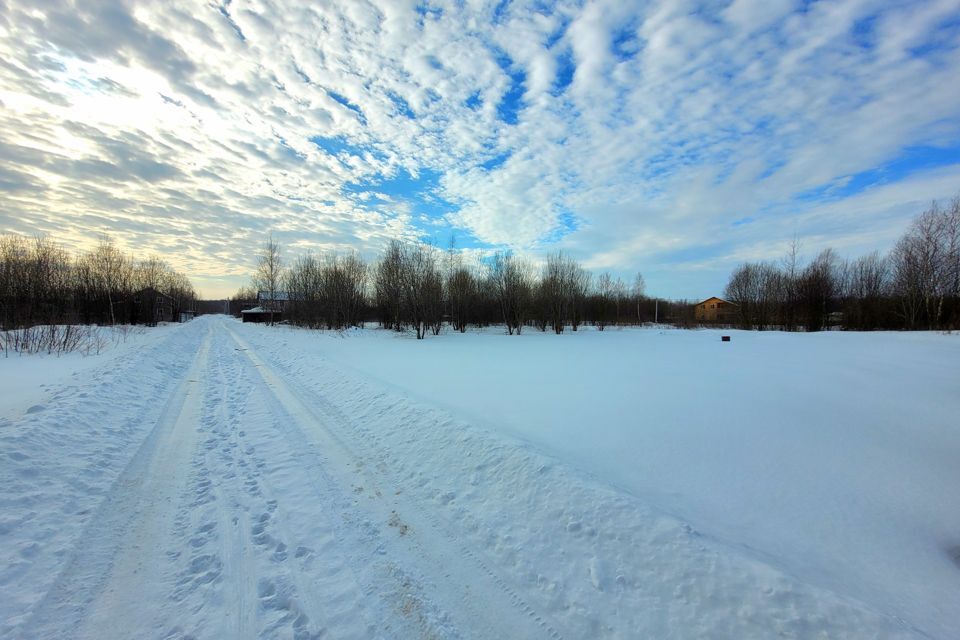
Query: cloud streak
[674, 137]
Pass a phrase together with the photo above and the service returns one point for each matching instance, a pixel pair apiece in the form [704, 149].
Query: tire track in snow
[300, 587]
[235, 520]
[213, 549]
[103, 587]
[470, 592]
[346, 537]
[251, 567]
[338, 417]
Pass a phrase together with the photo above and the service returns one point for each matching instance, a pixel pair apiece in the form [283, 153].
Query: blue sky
[675, 138]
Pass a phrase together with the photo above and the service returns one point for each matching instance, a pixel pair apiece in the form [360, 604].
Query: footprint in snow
[954, 553]
[303, 552]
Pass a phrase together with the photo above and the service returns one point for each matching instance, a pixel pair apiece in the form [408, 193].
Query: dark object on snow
[259, 314]
[953, 552]
[724, 338]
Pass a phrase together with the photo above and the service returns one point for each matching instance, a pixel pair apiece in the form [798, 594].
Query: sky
[676, 139]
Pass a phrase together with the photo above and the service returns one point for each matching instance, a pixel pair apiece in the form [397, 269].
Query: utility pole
[656, 311]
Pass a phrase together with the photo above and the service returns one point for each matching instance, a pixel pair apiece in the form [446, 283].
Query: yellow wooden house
[715, 310]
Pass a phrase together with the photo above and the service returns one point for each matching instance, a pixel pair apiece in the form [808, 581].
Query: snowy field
[217, 480]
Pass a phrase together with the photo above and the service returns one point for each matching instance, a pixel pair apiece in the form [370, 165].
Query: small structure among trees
[149, 306]
[259, 314]
[270, 307]
[715, 311]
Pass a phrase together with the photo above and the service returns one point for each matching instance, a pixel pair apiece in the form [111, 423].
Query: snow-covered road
[196, 487]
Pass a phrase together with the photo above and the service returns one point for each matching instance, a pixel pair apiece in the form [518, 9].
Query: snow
[27, 377]
[234, 480]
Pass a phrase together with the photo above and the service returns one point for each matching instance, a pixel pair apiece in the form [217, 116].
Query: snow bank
[25, 377]
[65, 437]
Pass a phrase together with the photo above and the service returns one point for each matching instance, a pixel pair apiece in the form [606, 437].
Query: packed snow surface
[217, 479]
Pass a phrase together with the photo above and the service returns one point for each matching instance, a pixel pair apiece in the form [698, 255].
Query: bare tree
[304, 285]
[758, 290]
[14, 291]
[866, 287]
[269, 274]
[112, 272]
[579, 288]
[564, 287]
[49, 276]
[512, 285]
[554, 285]
[351, 293]
[460, 289]
[388, 284]
[422, 288]
[434, 301]
[639, 291]
[149, 273]
[619, 293]
[789, 294]
[819, 285]
[603, 301]
[743, 289]
[926, 266]
[326, 294]
[178, 288]
[461, 295]
[952, 258]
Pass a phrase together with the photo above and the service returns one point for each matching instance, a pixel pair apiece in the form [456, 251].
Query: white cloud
[160, 121]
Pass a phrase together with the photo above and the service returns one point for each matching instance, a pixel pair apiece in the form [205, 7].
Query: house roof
[718, 300]
[152, 290]
[261, 310]
[278, 296]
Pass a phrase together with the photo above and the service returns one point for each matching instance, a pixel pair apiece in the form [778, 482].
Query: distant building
[259, 314]
[715, 310]
[269, 308]
[149, 306]
[275, 302]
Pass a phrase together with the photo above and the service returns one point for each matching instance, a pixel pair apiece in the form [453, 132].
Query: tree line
[416, 286]
[41, 283]
[914, 286]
